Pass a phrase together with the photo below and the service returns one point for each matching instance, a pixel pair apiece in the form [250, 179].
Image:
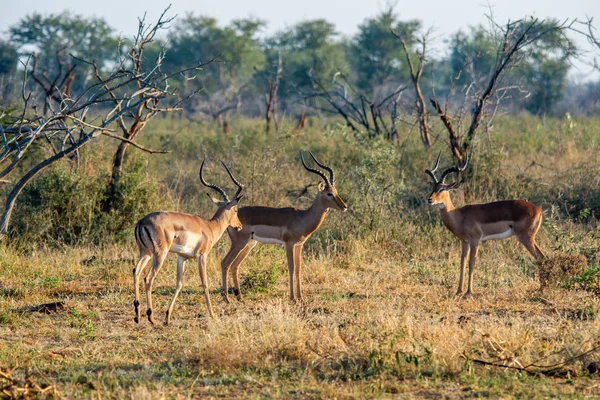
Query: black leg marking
[149, 314]
[236, 292]
[136, 304]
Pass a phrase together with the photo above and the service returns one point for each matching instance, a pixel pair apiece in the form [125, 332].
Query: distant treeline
[290, 72]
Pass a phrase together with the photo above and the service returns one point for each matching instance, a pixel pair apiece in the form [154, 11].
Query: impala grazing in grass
[290, 227]
[476, 223]
[188, 236]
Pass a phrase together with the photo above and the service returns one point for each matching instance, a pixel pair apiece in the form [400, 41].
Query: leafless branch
[135, 94]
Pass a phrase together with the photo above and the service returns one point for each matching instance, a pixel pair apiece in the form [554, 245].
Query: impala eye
[329, 194]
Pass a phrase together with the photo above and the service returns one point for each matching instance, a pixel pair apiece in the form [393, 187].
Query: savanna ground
[379, 319]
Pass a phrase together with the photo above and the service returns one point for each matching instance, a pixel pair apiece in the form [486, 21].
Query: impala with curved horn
[290, 227]
[188, 236]
[475, 223]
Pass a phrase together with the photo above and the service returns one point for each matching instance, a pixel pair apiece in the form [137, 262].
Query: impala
[476, 223]
[290, 227]
[188, 236]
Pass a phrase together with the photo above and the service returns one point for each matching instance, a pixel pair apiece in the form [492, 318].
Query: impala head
[328, 194]
[228, 207]
[439, 195]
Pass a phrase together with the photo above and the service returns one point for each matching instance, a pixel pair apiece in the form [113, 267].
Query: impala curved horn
[455, 169]
[210, 185]
[239, 185]
[325, 167]
[430, 172]
[313, 170]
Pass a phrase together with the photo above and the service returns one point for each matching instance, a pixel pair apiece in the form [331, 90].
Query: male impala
[475, 223]
[189, 236]
[287, 226]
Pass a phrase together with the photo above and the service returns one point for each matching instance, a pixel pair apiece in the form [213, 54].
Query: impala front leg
[179, 285]
[472, 260]
[298, 271]
[289, 250]
[204, 279]
[463, 260]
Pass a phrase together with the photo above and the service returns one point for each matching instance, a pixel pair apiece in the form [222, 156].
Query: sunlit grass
[379, 317]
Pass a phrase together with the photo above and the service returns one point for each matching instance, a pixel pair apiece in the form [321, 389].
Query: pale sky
[446, 16]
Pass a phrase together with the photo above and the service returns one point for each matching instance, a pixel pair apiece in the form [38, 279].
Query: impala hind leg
[527, 237]
[180, 271]
[532, 247]
[232, 259]
[137, 272]
[234, 268]
[539, 251]
[157, 261]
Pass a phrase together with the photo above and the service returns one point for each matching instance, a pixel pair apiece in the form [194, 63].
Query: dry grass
[372, 328]
[379, 318]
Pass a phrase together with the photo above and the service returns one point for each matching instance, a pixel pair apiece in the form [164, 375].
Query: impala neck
[217, 224]
[316, 213]
[446, 210]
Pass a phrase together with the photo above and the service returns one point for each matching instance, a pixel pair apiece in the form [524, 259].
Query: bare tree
[132, 94]
[132, 122]
[514, 38]
[416, 73]
[271, 96]
[359, 111]
[587, 29]
[220, 103]
[57, 87]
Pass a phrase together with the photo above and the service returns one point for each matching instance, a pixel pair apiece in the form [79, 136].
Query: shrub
[561, 268]
[260, 281]
[65, 207]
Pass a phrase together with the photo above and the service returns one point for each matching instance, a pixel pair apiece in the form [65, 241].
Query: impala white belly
[186, 244]
[183, 250]
[267, 234]
[501, 235]
[267, 240]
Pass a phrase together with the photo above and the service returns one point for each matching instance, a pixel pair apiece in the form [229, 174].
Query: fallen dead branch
[534, 369]
[14, 388]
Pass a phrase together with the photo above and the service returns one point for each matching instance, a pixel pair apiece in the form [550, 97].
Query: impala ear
[213, 200]
[237, 199]
[321, 186]
[455, 185]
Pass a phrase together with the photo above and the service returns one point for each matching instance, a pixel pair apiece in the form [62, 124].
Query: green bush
[260, 281]
[62, 206]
